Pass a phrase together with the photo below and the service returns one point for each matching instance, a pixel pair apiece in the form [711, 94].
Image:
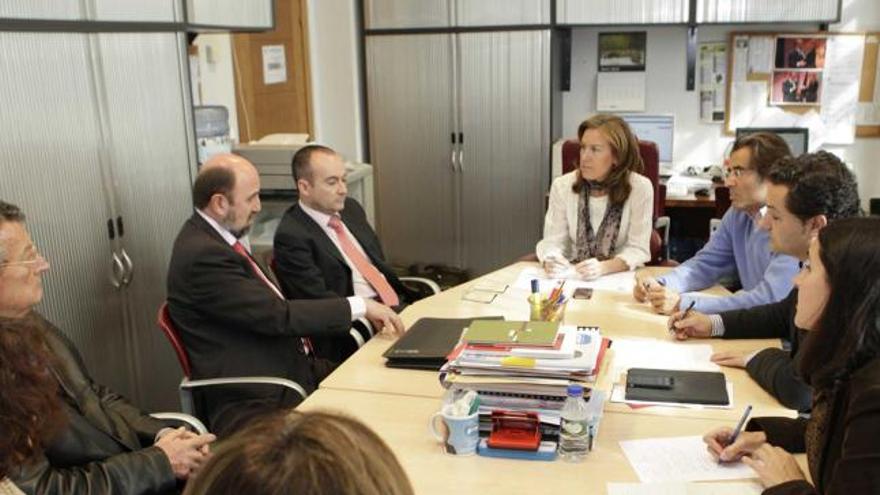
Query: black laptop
[427, 343]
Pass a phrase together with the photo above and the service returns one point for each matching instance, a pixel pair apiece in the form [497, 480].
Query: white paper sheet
[746, 100]
[621, 92]
[654, 353]
[734, 488]
[761, 51]
[679, 459]
[840, 92]
[618, 282]
[274, 64]
[740, 58]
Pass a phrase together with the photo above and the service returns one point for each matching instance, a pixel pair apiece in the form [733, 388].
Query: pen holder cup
[540, 309]
[459, 434]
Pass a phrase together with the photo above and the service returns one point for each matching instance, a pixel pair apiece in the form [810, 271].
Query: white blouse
[7, 488]
[633, 244]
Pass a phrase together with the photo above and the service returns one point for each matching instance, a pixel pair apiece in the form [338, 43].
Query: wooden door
[277, 107]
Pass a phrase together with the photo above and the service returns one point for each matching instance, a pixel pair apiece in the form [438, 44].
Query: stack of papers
[574, 358]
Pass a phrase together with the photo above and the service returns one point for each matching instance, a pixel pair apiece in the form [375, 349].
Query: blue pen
[739, 427]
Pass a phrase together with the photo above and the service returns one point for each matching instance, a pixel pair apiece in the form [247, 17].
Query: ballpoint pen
[739, 427]
[683, 316]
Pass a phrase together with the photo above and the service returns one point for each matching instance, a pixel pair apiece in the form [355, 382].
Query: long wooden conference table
[398, 403]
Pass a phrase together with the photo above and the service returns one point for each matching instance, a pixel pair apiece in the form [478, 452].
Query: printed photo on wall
[622, 51]
[800, 52]
[796, 88]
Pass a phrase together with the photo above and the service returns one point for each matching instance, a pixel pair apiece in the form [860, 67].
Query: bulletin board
[780, 79]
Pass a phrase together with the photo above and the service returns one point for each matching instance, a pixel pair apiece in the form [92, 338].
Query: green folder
[524, 333]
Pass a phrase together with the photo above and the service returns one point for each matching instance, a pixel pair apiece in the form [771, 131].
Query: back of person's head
[301, 164]
[767, 148]
[30, 408]
[211, 181]
[818, 184]
[625, 148]
[848, 333]
[315, 453]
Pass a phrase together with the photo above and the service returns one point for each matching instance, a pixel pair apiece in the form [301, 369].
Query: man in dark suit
[804, 194]
[106, 445]
[324, 246]
[233, 320]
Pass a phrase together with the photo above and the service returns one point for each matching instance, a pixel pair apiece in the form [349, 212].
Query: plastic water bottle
[574, 431]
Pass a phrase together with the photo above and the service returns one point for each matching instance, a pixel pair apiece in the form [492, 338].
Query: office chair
[187, 384]
[651, 159]
[722, 203]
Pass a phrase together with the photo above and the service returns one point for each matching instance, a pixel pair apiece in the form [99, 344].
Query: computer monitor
[656, 128]
[798, 138]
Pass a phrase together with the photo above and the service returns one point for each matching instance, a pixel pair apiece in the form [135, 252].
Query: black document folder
[427, 343]
[689, 387]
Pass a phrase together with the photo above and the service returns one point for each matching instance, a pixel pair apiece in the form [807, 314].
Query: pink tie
[370, 273]
[239, 248]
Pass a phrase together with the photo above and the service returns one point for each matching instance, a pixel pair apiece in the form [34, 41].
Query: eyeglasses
[34, 258]
[735, 171]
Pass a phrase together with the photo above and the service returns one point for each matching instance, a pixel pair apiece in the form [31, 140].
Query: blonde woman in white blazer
[599, 219]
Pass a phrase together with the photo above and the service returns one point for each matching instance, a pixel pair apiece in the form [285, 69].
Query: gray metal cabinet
[459, 138]
[245, 14]
[622, 11]
[409, 14]
[410, 90]
[96, 129]
[726, 11]
[404, 14]
[505, 118]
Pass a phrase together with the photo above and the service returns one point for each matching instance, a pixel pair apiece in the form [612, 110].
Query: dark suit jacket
[309, 266]
[848, 460]
[107, 444]
[232, 324]
[774, 369]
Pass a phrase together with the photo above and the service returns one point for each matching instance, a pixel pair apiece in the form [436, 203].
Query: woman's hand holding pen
[718, 443]
[690, 325]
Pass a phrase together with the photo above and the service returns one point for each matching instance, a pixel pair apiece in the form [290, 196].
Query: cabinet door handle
[117, 271]
[452, 156]
[128, 274]
[461, 159]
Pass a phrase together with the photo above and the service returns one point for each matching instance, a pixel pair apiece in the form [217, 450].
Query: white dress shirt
[361, 286]
[633, 244]
[357, 304]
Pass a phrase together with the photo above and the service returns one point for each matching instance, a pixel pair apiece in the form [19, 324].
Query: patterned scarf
[596, 245]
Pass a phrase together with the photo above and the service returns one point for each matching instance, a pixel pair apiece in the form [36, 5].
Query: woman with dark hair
[839, 303]
[599, 215]
[30, 408]
[313, 453]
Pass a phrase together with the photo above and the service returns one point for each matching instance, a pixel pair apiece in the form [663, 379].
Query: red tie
[363, 265]
[239, 248]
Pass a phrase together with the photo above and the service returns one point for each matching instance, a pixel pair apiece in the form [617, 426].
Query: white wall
[217, 80]
[697, 143]
[335, 77]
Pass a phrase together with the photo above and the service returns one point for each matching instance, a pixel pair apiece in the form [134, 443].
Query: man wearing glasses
[739, 247]
[106, 445]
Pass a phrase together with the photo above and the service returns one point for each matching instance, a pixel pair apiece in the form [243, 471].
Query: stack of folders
[527, 367]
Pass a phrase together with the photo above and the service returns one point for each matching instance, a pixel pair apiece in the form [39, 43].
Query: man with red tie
[324, 246]
[232, 319]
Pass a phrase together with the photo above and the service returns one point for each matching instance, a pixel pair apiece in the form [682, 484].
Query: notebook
[689, 387]
[428, 342]
[521, 333]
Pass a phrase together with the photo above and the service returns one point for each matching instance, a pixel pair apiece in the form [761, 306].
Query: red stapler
[515, 430]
